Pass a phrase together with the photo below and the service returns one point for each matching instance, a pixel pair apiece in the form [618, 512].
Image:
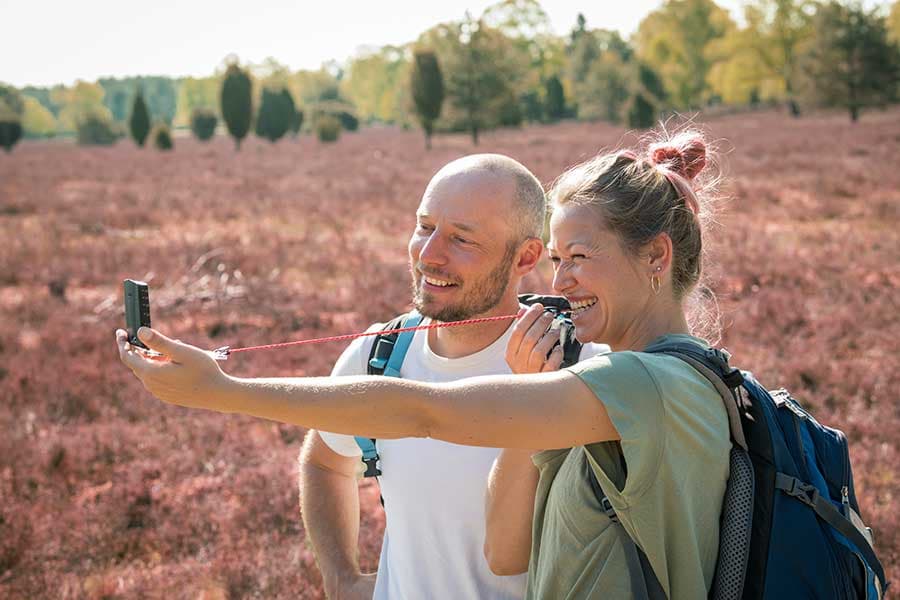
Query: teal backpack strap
[401, 346]
[386, 358]
[369, 456]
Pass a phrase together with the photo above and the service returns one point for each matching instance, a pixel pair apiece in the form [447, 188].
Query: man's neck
[456, 342]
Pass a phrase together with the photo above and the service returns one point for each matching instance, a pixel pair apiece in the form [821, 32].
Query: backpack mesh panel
[734, 537]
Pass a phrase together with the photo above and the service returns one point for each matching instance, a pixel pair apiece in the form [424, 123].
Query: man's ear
[528, 255]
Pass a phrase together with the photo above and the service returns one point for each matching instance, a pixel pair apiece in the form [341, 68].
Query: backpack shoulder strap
[712, 363]
[386, 358]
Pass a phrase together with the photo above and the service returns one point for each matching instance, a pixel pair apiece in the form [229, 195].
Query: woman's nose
[562, 279]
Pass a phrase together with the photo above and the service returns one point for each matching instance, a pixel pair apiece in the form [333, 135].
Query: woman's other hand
[531, 346]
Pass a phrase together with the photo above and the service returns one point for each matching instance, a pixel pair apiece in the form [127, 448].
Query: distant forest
[507, 67]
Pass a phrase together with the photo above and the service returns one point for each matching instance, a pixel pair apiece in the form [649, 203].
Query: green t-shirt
[675, 443]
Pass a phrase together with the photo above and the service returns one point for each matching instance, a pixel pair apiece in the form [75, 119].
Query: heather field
[106, 493]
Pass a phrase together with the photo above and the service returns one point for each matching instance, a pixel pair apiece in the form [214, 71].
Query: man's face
[463, 248]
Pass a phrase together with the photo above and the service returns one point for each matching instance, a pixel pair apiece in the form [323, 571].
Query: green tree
[893, 23]
[276, 112]
[764, 54]
[376, 83]
[160, 95]
[97, 128]
[606, 88]
[477, 74]
[534, 55]
[139, 122]
[296, 122]
[675, 39]
[78, 103]
[427, 84]
[194, 93]
[203, 123]
[555, 102]
[10, 122]
[328, 128]
[43, 96]
[647, 98]
[12, 98]
[37, 121]
[161, 136]
[641, 113]
[597, 72]
[850, 61]
[237, 102]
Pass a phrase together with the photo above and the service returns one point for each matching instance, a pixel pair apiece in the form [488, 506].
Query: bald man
[477, 234]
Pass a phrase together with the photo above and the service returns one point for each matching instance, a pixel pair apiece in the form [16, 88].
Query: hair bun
[685, 156]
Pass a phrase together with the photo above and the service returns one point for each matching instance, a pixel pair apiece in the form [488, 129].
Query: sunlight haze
[57, 42]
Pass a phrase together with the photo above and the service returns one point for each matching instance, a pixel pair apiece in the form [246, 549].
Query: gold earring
[655, 283]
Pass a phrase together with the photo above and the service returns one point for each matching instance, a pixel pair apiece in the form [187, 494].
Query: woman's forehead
[573, 224]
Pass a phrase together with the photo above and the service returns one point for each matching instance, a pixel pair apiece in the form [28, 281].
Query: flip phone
[137, 309]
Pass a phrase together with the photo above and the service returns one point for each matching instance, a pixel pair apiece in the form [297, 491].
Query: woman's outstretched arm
[546, 410]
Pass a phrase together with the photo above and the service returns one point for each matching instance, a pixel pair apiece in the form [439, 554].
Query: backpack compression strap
[386, 358]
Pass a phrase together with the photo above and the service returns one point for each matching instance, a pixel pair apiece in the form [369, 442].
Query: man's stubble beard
[484, 295]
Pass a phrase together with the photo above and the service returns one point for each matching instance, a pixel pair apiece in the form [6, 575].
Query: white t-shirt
[434, 491]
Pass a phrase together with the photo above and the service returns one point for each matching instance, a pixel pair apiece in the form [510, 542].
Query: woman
[626, 246]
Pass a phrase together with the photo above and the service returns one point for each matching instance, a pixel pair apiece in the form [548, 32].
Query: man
[477, 235]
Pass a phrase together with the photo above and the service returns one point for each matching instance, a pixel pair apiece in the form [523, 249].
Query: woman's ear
[659, 253]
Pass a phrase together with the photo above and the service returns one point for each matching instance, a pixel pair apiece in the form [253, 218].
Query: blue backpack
[790, 525]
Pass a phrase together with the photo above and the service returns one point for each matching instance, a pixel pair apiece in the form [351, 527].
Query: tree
[276, 112]
[161, 137]
[139, 122]
[427, 85]
[160, 95]
[377, 84]
[606, 88]
[597, 72]
[203, 123]
[478, 76]
[37, 121]
[97, 128]
[851, 62]
[81, 102]
[12, 109]
[647, 97]
[237, 102]
[328, 128]
[12, 99]
[535, 53]
[555, 99]
[296, 122]
[763, 55]
[675, 39]
[194, 93]
[893, 23]
[10, 125]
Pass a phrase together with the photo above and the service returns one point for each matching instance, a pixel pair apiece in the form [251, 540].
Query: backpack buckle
[372, 469]
[607, 507]
[804, 492]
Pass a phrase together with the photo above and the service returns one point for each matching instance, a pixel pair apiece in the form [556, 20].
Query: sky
[48, 42]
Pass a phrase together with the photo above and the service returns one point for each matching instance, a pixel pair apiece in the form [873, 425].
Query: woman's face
[608, 291]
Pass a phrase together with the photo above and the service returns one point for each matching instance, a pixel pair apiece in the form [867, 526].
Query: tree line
[507, 67]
